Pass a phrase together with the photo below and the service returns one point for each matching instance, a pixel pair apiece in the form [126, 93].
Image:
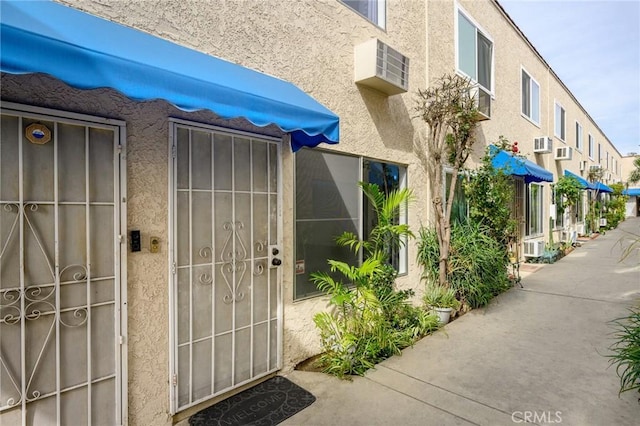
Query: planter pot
[444, 314]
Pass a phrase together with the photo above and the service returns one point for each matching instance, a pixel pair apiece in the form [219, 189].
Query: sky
[594, 47]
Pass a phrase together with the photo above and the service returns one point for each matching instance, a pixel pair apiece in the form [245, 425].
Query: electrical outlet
[154, 244]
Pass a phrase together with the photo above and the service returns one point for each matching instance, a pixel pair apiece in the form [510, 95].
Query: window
[373, 10]
[530, 98]
[330, 202]
[475, 59]
[591, 146]
[607, 160]
[599, 153]
[557, 200]
[579, 208]
[578, 136]
[534, 210]
[460, 207]
[388, 177]
[559, 122]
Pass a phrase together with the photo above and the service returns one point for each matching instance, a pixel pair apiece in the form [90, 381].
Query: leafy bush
[490, 193]
[440, 297]
[616, 206]
[477, 264]
[370, 320]
[365, 325]
[626, 350]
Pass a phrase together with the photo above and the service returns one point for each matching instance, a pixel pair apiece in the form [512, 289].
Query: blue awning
[632, 192]
[601, 187]
[584, 184]
[518, 166]
[88, 52]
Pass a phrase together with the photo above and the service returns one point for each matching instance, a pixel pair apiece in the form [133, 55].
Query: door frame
[172, 263]
[119, 234]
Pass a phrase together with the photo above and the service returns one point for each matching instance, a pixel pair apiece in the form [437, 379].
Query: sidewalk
[535, 354]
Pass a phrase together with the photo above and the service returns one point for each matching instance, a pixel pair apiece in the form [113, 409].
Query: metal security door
[225, 289]
[60, 298]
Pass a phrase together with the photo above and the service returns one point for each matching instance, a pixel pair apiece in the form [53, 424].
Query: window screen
[327, 204]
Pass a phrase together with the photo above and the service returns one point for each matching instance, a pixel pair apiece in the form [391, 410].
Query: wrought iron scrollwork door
[225, 295]
[59, 360]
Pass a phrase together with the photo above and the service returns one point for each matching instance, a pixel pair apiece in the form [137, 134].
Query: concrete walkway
[535, 354]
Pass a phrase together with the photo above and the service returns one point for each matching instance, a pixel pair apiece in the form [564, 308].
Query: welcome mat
[266, 404]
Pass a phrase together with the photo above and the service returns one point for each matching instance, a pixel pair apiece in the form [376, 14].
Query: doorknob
[274, 261]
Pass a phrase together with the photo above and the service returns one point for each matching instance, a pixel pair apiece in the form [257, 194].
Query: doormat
[266, 404]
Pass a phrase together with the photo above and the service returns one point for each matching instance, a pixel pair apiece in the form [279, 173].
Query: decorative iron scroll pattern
[233, 256]
[36, 302]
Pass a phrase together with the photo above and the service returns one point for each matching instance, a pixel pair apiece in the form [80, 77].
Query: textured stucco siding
[147, 159]
[512, 53]
[309, 43]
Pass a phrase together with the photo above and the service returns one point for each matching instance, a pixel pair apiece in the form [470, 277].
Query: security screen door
[60, 298]
[226, 296]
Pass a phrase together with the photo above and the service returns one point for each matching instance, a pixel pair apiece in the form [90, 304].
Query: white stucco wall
[512, 53]
[309, 43]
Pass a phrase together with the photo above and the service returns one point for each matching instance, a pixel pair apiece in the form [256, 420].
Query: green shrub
[626, 356]
[477, 262]
[439, 297]
[366, 324]
[615, 208]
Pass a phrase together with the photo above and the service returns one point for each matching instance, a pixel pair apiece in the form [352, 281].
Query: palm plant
[388, 234]
[369, 320]
[358, 333]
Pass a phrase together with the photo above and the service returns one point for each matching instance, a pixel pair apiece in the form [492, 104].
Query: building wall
[628, 167]
[147, 210]
[512, 53]
[309, 43]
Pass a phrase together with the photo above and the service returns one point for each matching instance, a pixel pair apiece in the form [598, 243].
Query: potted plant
[442, 300]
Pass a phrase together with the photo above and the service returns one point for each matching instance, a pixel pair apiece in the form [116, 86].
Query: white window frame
[459, 10]
[381, 12]
[532, 82]
[592, 144]
[579, 139]
[599, 153]
[558, 222]
[539, 212]
[563, 121]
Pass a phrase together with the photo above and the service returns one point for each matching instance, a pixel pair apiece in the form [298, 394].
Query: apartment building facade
[199, 227]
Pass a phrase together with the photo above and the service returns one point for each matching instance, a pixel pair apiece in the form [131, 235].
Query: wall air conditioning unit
[381, 67]
[595, 167]
[542, 144]
[583, 166]
[533, 248]
[483, 102]
[603, 221]
[564, 153]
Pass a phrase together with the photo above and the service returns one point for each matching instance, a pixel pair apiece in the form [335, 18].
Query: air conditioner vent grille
[381, 67]
[542, 144]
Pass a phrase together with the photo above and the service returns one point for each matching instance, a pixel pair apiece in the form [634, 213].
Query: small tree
[450, 111]
[594, 175]
[491, 192]
[568, 190]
